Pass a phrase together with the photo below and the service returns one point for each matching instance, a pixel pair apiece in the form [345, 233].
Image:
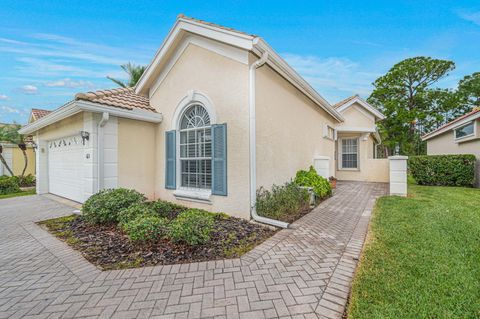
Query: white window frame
[192, 97]
[326, 131]
[340, 152]
[466, 136]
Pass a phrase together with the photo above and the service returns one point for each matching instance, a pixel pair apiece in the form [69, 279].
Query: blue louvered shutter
[170, 160]
[219, 159]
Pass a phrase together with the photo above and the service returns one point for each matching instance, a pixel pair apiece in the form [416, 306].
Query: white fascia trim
[354, 129]
[75, 107]
[452, 127]
[285, 70]
[365, 105]
[239, 40]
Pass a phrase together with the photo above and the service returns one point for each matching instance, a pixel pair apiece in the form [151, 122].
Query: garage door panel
[65, 168]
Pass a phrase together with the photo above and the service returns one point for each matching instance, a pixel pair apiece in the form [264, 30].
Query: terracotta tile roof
[474, 111]
[348, 99]
[124, 98]
[182, 16]
[39, 113]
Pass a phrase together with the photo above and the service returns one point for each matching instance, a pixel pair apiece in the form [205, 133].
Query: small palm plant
[134, 73]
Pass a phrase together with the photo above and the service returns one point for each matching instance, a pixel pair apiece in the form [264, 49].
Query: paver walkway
[303, 272]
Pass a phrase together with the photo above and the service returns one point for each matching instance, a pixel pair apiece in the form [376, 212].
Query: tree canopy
[134, 73]
[412, 104]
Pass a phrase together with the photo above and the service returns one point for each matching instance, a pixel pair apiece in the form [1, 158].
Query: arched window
[195, 148]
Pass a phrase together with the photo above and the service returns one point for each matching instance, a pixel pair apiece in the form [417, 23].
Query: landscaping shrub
[443, 170]
[133, 212]
[8, 185]
[145, 228]
[105, 206]
[321, 186]
[192, 227]
[26, 181]
[281, 201]
[167, 209]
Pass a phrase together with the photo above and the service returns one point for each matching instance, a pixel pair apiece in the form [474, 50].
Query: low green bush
[167, 209]
[281, 201]
[443, 170]
[145, 228]
[26, 181]
[9, 185]
[105, 206]
[192, 226]
[133, 212]
[320, 185]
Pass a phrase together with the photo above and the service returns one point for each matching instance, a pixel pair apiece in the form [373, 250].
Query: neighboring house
[357, 140]
[37, 114]
[13, 155]
[216, 115]
[460, 136]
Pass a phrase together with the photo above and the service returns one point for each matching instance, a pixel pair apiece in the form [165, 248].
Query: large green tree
[9, 134]
[134, 73]
[412, 106]
[469, 90]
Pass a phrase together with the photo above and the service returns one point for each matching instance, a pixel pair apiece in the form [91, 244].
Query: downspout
[100, 138]
[252, 146]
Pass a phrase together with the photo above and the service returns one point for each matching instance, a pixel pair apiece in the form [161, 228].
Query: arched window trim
[193, 98]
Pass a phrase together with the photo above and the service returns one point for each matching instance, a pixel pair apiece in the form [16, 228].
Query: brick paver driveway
[302, 272]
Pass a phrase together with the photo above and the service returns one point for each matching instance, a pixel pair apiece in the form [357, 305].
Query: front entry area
[65, 167]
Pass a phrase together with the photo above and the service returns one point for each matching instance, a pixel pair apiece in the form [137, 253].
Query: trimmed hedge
[443, 170]
[105, 206]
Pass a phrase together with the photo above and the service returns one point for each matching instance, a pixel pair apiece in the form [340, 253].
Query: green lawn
[25, 193]
[422, 258]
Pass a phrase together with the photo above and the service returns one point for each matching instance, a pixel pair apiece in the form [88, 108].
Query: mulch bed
[109, 248]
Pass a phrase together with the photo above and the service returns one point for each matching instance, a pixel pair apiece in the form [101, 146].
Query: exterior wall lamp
[85, 136]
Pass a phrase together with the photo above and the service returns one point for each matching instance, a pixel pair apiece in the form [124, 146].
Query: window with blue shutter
[170, 160]
[219, 159]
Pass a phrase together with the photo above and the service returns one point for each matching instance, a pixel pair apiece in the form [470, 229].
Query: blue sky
[49, 50]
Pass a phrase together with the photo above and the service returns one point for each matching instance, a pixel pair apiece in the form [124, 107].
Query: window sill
[349, 169]
[465, 138]
[202, 196]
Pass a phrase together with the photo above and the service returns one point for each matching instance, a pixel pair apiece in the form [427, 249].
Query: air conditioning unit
[322, 165]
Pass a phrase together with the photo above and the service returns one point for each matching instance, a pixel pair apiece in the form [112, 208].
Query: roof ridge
[183, 16]
[345, 100]
[101, 93]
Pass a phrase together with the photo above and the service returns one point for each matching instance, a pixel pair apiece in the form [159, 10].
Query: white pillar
[398, 175]
[41, 169]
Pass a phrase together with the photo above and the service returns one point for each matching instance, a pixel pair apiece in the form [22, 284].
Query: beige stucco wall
[371, 169]
[136, 156]
[445, 144]
[225, 82]
[67, 127]
[289, 130]
[357, 116]
[18, 161]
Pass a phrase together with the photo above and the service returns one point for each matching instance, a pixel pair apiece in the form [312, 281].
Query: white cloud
[471, 16]
[334, 78]
[29, 89]
[3, 97]
[9, 110]
[69, 83]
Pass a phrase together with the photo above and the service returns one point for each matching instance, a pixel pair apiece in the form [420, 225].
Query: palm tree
[134, 73]
[9, 134]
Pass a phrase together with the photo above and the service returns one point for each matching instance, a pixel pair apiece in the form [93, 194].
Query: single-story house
[460, 136]
[15, 159]
[216, 115]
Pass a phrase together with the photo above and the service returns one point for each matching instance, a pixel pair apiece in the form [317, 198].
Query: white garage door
[65, 168]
